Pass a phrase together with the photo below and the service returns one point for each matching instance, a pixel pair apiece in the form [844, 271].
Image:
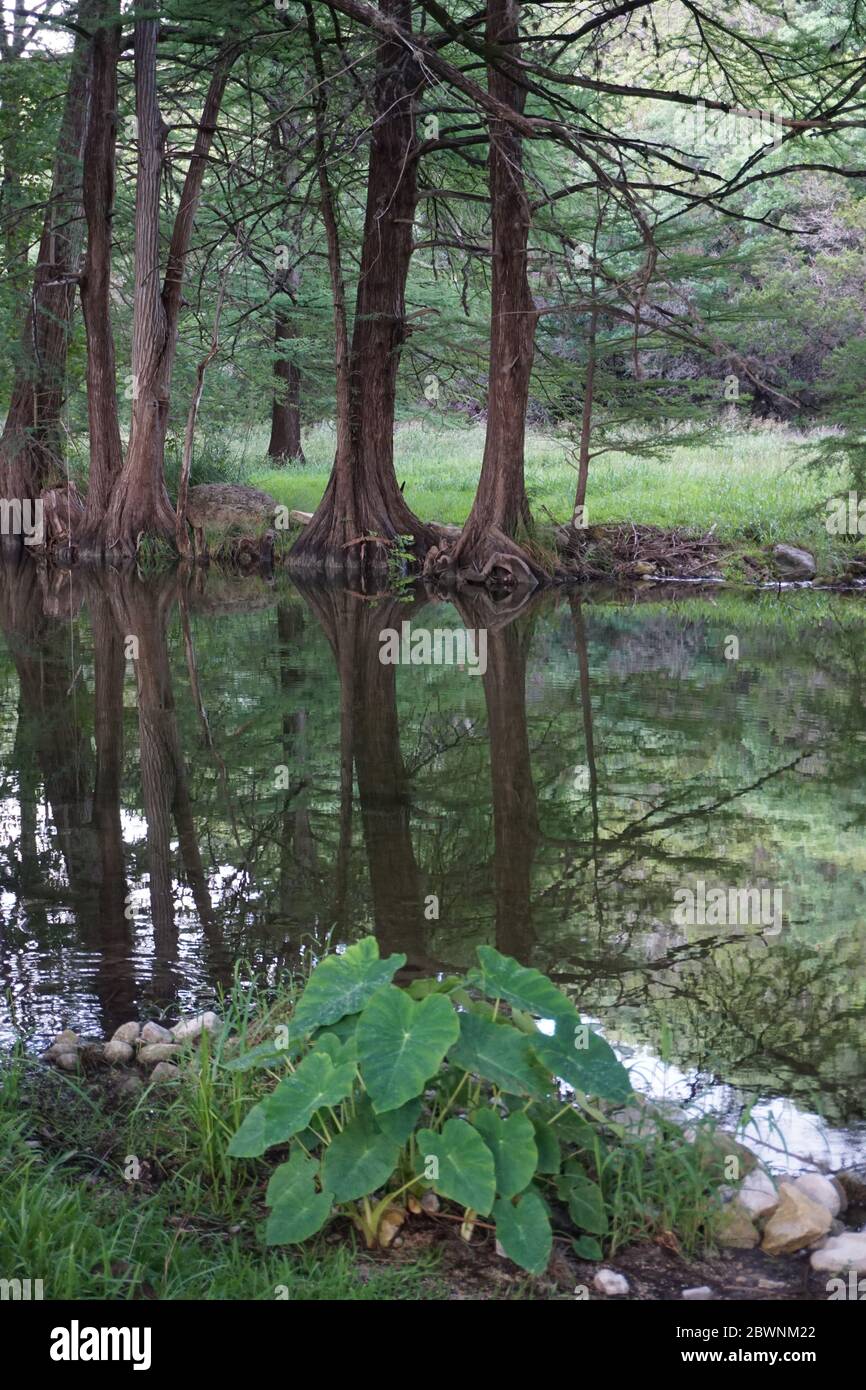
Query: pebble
[698, 1295]
[610, 1283]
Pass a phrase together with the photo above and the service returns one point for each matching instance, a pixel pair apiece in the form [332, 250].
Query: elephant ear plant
[454, 1085]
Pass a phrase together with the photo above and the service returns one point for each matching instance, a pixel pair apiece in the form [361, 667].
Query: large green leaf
[523, 1231]
[519, 985]
[585, 1202]
[582, 1059]
[399, 1124]
[512, 1143]
[401, 1044]
[459, 1165]
[342, 984]
[549, 1155]
[297, 1209]
[288, 1109]
[269, 1053]
[359, 1159]
[500, 1054]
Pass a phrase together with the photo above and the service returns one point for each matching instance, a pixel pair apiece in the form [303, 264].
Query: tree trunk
[363, 499]
[30, 447]
[500, 508]
[139, 502]
[106, 454]
[285, 441]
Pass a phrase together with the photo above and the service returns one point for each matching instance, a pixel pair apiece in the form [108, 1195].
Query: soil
[655, 1272]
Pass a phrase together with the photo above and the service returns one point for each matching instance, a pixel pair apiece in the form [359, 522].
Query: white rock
[157, 1052]
[698, 1295]
[126, 1033]
[821, 1190]
[758, 1195]
[118, 1051]
[608, 1282]
[840, 1254]
[191, 1028]
[155, 1033]
[797, 1222]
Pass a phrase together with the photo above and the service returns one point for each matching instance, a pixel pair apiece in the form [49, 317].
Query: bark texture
[139, 502]
[99, 178]
[363, 510]
[31, 453]
[501, 509]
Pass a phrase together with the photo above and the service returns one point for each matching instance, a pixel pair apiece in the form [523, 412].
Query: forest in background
[624, 222]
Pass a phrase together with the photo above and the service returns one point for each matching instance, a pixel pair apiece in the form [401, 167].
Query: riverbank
[748, 485]
[117, 1182]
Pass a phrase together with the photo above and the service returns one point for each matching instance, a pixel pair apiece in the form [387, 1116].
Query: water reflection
[197, 771]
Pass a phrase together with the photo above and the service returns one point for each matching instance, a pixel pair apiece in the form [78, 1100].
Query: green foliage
[370, 1107]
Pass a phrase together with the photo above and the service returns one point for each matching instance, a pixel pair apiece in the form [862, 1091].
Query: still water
[222, 775]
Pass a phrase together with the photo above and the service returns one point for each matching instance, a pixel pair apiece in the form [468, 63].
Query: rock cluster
[795, 1214]
[149, 1046]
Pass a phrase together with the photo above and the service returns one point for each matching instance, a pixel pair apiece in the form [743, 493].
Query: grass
[73, 1221]
[107, 1200]
[749, 485]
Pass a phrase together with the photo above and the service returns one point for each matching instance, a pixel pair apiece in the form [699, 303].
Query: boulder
[757, 1195]
[155, 1033]
[119, 1053]
[164, 1071]
[820, 1189]
[735, 1230]
[191, 1028]
[67, 1060]
[793, 562]
[127, 1033]
[841, 1254]
[798, 1221]
[157, 1052]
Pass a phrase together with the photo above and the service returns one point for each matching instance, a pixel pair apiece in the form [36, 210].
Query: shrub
[447, 1084]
